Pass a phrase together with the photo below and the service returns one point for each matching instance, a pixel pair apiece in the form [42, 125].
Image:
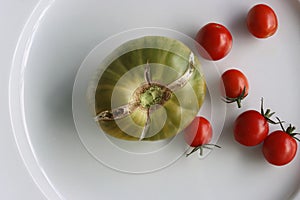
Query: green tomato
[148, 88]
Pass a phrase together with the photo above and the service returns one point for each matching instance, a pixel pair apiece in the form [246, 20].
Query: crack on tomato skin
[149, 94]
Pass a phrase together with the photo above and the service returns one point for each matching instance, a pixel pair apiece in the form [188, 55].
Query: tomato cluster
[215, 40]
[251, 127]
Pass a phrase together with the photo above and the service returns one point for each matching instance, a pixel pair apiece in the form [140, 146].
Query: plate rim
[39, 11]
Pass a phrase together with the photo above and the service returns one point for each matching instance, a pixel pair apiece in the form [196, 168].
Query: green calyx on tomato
[252, 127]
[280, 146]
[201, 148]
[198, 134]
[236, 86]
[268, 114]
[237, 99]
[152, 94]
[289, 130]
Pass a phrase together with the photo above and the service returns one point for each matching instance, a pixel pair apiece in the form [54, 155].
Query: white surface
[64, 38]
[15, 182]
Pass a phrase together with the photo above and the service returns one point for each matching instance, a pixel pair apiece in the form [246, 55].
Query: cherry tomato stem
[200, 148]
[268, 114]
[198, 135]
[289, 130]
[236, 86]
[238, 99]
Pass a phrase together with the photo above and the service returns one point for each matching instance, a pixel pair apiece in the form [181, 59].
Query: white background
[15, 181]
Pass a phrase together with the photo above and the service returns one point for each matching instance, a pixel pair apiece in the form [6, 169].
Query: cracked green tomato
[149, 88]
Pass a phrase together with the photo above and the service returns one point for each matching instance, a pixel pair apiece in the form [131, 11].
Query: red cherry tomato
[279, 148]
[235, 85]
[262, 21]
[198, 133]
[250, 128]
[215, 41]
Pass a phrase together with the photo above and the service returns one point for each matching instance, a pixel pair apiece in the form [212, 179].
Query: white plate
[60, 34]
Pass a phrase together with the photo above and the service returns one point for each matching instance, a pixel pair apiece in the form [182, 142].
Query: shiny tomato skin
[279, 148]
[250, 128]
[262, 21]
[215, 41]
[198, 133]
[234, 82]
